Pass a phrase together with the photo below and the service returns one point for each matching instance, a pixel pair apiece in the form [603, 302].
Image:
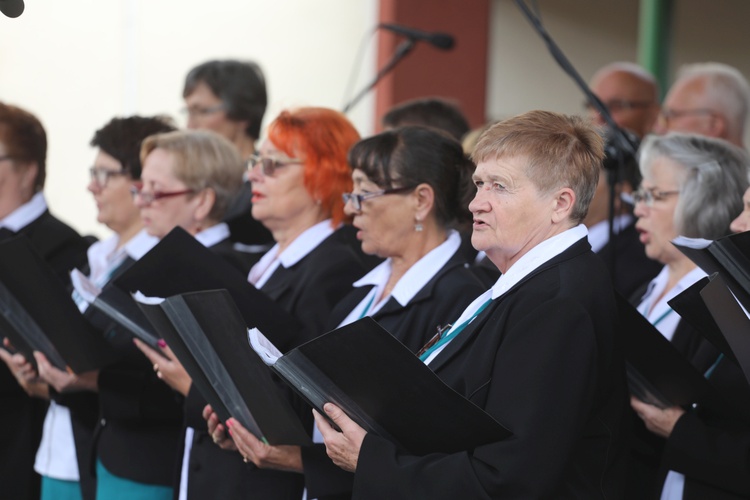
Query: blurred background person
[298, 180]
[631, 95]
[624, 255]
[229, 97]
[710, 99]
[692, 186]
[428, 112]
[742, 222]
[411, 187]
[23, 210]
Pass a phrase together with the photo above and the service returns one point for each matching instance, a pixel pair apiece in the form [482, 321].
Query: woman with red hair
[298, 180]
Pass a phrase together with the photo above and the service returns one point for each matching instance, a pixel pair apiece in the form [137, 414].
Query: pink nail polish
[162, 343]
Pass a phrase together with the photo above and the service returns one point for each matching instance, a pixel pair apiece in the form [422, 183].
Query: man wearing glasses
[710, 99]
[630, 93]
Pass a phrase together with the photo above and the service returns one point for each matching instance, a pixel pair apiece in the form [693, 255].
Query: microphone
[11, 8]
[442, 41]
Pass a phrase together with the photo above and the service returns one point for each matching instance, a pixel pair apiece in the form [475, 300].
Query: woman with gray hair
[692, 186]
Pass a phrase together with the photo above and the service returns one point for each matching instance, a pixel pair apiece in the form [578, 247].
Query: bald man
[630, 93]
[710, 99]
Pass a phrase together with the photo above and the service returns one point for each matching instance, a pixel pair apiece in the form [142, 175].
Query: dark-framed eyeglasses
[649, 196]
[101, 175]
[666, 115]
[196, 111]
[148, 197]
[269, 164]
[618, 105]
[358, 198]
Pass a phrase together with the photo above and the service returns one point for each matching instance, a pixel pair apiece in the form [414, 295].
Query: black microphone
[11, 8]
[442, 41]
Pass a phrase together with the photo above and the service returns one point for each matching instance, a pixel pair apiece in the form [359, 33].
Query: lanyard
[443, 338]
[367, 307]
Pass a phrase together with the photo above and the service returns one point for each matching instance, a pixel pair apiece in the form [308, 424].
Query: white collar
[656, 287]
[26, 213]
[417, 276]
[541, 253]
[104, 256]
[213, 235]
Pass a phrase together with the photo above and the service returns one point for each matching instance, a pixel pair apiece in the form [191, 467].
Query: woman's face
[385, 224]
[16, 183]
[742, 222]
[280, 200]
[656, 222]
[167, 212]
[114, 202]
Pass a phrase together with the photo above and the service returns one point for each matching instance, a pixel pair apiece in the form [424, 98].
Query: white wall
[77, 64]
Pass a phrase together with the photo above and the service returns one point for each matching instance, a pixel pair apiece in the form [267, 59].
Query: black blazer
[307, 290]
[439, 302]
[22, 417]
[632, 268]
[543, 360]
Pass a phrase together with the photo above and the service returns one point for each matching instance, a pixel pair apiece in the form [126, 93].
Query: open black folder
[383, 387]
[729, 256]
[207, 333]
[180, 264]
[39, 313]
[731, 319]
[658, 373]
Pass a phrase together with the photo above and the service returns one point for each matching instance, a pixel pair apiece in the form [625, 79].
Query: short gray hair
[712, 182]
[726, 87]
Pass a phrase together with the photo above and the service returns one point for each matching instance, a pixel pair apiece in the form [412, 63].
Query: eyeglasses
[357, 198]
[101, 175]
[147, 198]
[649, 196]
[196, 111]
[618, 105]
[666, 115]
[269, 164]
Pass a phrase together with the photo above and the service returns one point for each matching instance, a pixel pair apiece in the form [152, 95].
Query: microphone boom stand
[621, 140]
[402, 51]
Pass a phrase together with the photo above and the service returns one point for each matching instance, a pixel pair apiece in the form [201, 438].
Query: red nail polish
[229, 423]
[162, 343]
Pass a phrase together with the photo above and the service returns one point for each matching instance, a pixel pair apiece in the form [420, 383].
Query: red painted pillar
[459, 74]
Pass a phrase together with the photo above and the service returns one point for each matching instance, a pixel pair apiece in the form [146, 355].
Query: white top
[599, 232]
[296, 251]
[408, 285]
[660, 314]
[531, 260]
[25, 214]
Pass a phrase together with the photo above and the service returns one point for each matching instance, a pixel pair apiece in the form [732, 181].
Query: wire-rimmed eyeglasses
[358, 198]
[269, 164]
[101, 175]
[649, 196]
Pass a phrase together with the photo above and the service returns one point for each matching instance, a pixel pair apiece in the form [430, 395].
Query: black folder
[691, 307]
[731, 319]
[208, 335]
[658, 374]
[729, 256]
[116, 305]
[387, 390]
[180, 264]
[41, 315]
